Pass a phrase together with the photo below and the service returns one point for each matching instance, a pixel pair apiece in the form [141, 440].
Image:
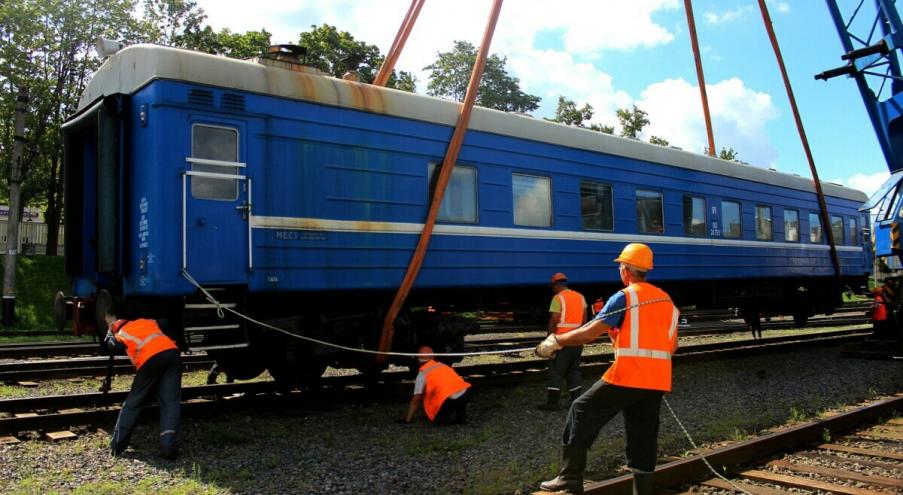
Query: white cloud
[782, 7]
[727, 16]
[866, 183]
[600, 26]
[739, 115]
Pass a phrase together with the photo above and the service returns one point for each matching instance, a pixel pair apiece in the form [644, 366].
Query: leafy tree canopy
[725, 154]
[568, 113]
[659, 141]
[632, 121]
[336, 52]
[450, 74]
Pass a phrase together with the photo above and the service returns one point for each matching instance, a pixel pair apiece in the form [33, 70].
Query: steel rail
[692, 468]
[483, 374]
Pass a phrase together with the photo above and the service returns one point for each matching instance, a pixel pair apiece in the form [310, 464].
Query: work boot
[577, 392]
[642, 483]
[570, 474]
[551, 401]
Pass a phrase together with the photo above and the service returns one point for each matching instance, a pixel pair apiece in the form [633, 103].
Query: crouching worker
[159, 371]
[635, 382]
[441, 390]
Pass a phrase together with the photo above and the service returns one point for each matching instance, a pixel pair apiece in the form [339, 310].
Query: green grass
[38, 278]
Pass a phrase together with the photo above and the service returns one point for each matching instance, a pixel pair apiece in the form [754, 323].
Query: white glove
[547, 348]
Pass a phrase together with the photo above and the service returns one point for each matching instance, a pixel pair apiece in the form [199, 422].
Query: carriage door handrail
[212, 175]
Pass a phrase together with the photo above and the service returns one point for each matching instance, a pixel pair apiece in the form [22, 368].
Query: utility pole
[12, 228]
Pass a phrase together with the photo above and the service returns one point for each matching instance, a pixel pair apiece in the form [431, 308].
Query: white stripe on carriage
[325, 225]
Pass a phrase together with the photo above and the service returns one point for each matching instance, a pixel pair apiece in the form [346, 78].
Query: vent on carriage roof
[200, 97]
[233, 102]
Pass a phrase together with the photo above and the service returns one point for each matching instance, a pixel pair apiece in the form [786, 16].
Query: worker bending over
[635, 382]
[159, 371]
[441, 390]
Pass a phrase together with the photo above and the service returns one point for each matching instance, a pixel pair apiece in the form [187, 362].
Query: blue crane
[871, 40]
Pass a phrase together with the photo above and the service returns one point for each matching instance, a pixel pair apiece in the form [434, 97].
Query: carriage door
[216, 207]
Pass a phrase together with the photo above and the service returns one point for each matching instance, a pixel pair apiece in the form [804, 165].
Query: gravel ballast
[507, 446]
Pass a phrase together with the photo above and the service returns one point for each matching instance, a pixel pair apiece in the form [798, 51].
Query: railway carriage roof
[135, 66]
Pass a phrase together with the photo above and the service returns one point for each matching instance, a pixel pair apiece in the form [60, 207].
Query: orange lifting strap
[398, 44]
[451, 156]
[691, 24]
[826, 224]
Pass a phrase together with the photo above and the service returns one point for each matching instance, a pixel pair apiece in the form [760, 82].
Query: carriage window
[837, 229]
[595, 206]
[852, 231]
[694, 215]
[649, 214]
[730, 219]
[763, 223]
[214, 143]
[791, 225]
[532, 200]
[815, 234]
[459, 204]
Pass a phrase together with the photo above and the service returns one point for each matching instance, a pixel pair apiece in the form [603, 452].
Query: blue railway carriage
[298, 198]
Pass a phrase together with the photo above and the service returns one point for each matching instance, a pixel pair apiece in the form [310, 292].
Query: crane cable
[220, 308]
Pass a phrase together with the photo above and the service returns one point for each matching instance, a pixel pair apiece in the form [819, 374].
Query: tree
[632, 121]
[336, 52]
[659, 141]
[607, 129]
[168, 22]
[47, 48]
[726, 154]
[225, 42]
[568, 113]
[450, 75]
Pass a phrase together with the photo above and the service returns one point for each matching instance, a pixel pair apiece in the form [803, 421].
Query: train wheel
[800, 318]
[239, 366]
[303, 375]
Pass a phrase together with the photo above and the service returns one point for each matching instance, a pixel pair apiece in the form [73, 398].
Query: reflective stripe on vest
[649, 311]
[573, 318]
[140, 339]
[441, 382]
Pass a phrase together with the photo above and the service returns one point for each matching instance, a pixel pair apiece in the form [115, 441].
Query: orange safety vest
[441, 383]
[143, 339]
[573, 310]
[880, 313]
[646, 340]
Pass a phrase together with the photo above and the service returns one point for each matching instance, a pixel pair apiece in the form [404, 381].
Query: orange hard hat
[636, 255]
[559, 277]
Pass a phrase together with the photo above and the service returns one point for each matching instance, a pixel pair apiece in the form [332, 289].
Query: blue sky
[612, 53]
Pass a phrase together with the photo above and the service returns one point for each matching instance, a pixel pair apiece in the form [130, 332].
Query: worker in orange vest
[158, 367]
[879, 312]
[441, 390]
[567, 312]
[634, 384]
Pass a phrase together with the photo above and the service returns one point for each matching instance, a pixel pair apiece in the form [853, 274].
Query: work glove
[547, 348]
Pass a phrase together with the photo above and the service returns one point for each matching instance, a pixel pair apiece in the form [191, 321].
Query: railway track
[34, 370]
[83, 367]
[702, 321]
[478, 342]
[798, 459]
[65, 411]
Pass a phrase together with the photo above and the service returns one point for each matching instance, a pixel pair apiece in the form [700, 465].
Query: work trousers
[565, 366]
[161, 375]
[598, 405]
[453, 411]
